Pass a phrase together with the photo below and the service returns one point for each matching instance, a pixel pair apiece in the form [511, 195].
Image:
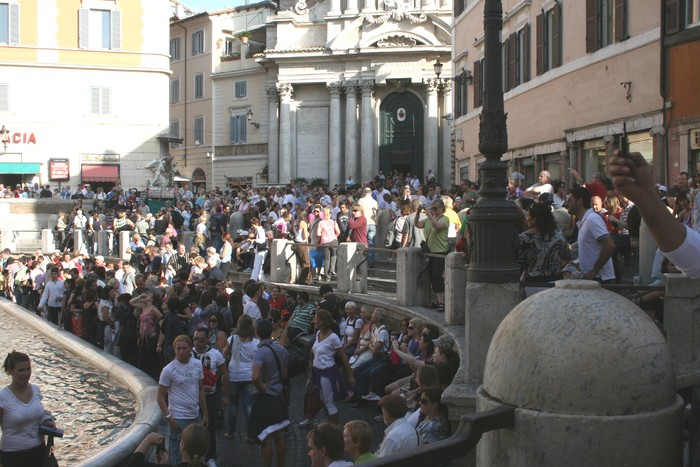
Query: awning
[19, 168]
[178, 178]
[99, 173]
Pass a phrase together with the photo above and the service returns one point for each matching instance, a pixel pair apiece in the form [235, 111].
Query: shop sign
[59, 170]
[100, 158]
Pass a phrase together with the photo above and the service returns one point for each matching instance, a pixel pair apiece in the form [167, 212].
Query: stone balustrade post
[104, 237]
[80, 241]
[124, 239]
[351, 267]
[48, 245]
[236, 223]
[283, 261]
[455, 284]
[681, 301]
[412, 288]
[384, 221]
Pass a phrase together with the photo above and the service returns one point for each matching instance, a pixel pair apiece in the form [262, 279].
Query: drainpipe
[663, 90]
[184, 130]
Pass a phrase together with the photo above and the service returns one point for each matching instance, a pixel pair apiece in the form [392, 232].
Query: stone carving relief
[285, 90]
[397, 41]
[396, 10]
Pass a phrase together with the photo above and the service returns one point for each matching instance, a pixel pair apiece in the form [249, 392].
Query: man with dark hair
[300, 322]
[269, 414]
[52, 296]
[399, 436]
[326, 446]
[251, 307]
[595, 246]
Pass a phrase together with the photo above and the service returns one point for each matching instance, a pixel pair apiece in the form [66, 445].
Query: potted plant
[244, 36]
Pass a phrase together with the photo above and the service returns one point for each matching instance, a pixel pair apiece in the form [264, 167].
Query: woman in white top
[260, 245]
[241, 348]
[352, 329]
[105, 314]
[225, 254]
[325, 373]
[21, 412]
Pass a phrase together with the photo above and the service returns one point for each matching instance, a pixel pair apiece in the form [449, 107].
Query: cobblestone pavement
[238, 452]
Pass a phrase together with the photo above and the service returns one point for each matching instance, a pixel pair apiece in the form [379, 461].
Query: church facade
[352, 90]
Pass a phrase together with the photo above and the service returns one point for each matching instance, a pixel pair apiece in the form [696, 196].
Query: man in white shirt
[595, 246]
[251, 307]
[399, 436]
[370, 207]
[52, 296]
[543, 185]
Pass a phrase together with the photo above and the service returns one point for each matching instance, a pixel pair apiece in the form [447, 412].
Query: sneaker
[371, 397]
[307, 423]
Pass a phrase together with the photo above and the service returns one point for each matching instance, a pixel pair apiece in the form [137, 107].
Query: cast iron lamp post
[493, 221]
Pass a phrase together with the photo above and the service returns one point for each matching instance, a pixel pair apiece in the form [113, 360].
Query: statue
[163, 171]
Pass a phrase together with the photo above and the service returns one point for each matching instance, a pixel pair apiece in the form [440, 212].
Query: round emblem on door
[401, 114]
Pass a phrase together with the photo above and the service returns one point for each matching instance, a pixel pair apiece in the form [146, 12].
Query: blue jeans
[174, 456]
[371, 233]
[239, 392]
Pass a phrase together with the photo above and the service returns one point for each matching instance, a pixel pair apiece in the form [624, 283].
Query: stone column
[124, 238]
[351, 7]
[412, 288]
[352, 268]
[273, 172]
[455, 284]
[430, 147]
[335, 167]
[285, 132]
[367, 149]
[335, 7]
[79, 241]
[48, 245]
[350, 130]
[429, 4]
[104, 239]
[370, 5]
[283, 262]
[445, 176]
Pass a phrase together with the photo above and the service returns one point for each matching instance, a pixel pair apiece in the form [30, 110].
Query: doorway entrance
[401, 134]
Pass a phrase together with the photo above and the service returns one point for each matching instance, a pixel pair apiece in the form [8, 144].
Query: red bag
[209, 377]
[77, 322]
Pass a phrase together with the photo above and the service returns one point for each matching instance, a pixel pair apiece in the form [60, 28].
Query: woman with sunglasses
[435, 425]
[217, 331]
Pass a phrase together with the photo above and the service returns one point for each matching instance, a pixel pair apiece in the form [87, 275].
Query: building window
[197, 42]
[605, 23]
[4, 97]
[175, 131]
[175, 91]
[681, 14]
[459, 7]
[175, 49]
[461, 88]
[199, 86]
[198, 124]
[478, 82]
[100, 29]
[549, 39]
[100, 100]
[9, 23]
[239, 128]
[241, 88]
[516, 59]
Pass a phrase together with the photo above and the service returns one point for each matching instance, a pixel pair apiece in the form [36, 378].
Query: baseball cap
[444, 341]
[661, 187]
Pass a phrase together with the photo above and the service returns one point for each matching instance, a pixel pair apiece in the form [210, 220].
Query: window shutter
[116, 30]
[14, 23]
[95, 100]
[526, 53]
[557, 36]
[510, 60]
[233, 129]
[4, 97]
[540, 44]
[591, 26]
[106, 101]
[477, 83]
[84, 29]
[242, 129]
[673, 16]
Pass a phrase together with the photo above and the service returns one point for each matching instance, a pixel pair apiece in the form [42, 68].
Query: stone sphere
[580, 349]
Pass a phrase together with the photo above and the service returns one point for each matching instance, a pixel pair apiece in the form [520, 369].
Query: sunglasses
[355, 210]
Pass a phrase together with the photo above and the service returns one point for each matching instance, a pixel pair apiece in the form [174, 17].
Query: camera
[50, 431]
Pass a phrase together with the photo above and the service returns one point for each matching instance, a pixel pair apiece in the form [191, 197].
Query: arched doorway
[401, 134]
[199, 179]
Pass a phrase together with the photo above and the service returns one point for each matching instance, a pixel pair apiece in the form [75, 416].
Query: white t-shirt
[182, 381]
[685, 257]
[324, 351]
[351, 328]
[381, 334]
[251, 309]
[23, 418]
[240, 368]
[591, 229]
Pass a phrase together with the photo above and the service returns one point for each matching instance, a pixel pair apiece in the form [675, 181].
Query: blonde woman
[327, 232]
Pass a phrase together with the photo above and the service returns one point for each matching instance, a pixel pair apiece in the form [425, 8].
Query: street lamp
[250, 119]
[493, 221]
[437, 66]
[4, 138]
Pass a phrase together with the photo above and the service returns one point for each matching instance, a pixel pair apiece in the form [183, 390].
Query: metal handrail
[465, 439]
